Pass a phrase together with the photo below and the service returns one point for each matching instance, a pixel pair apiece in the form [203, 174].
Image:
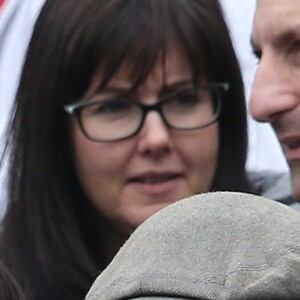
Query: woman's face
[131, 179]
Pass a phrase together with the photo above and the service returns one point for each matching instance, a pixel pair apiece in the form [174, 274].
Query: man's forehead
[267, 3]
[276, 19]
[278, 6]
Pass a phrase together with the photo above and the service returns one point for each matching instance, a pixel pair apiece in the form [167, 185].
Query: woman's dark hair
[48, 239]
[9, 288]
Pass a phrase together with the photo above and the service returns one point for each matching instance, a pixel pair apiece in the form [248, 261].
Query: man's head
[276, 90]
[209, 246]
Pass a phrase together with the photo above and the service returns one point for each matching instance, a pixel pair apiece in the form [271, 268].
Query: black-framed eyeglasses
[109, 120]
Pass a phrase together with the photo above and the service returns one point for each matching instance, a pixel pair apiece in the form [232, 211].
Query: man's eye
[296, 45]
[294, 53]
[258, 54]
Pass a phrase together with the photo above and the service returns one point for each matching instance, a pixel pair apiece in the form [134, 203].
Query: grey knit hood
[211, 246]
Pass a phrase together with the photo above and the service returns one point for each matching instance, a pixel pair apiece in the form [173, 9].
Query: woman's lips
[154, 179]
[154, 183]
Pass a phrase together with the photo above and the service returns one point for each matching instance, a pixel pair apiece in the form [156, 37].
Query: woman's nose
[273, 91]
[154, 137]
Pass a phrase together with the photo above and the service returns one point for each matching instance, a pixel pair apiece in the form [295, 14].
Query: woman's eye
[112, 107]
[188, 99]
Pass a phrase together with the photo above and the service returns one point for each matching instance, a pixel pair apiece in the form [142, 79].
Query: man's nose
[272, 91]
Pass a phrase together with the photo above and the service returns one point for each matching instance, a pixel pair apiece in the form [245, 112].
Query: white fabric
[16, 22]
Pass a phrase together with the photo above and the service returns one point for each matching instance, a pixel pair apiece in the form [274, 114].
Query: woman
[124, 107]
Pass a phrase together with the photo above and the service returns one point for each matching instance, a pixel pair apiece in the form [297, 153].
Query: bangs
[138, 34]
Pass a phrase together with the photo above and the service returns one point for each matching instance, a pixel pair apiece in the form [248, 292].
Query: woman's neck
[109, 236]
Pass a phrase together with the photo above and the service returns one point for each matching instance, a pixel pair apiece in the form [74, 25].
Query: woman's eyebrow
[121, 90]
[107, 90]
[178, 85]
